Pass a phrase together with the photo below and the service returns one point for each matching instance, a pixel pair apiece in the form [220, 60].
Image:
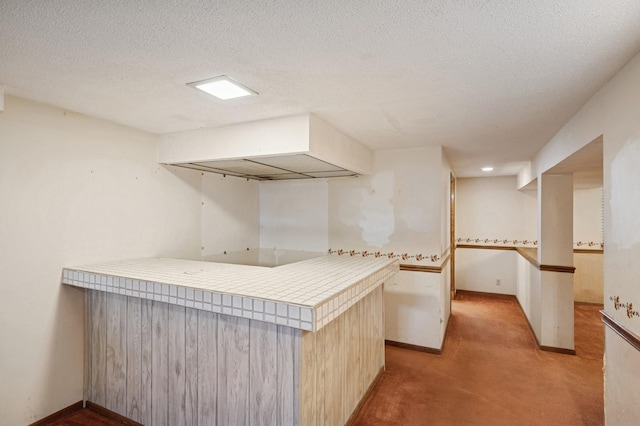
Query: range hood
[296, 147]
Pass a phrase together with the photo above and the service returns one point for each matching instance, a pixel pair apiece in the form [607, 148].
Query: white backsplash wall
[75, 190]
[294, 215]
[230, 214]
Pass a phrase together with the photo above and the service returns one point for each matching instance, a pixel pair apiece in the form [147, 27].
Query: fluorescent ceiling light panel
[223, 87]
[487, 169]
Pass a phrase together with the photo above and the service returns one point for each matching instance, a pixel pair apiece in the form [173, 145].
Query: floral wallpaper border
[391, 255]
[592, 244]
[628, 306]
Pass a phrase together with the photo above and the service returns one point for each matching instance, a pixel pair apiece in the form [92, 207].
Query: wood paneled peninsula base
[169, 343]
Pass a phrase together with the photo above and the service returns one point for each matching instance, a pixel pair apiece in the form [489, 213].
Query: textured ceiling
[491, 81]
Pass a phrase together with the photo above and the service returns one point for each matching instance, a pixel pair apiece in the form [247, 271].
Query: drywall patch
[378, 223]
[624, 201]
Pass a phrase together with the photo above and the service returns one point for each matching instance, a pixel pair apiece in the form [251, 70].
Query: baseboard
[589, 304]
[419, 348]
[105, 412]
[59, 414]
[483, 293]
[557, 350]
[535, 338]
[365, 397]
[414, 347]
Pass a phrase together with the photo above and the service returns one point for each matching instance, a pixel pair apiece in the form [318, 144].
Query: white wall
[294, 215]
[74, 190]
[413, 309]
[230, 214]
[493, 208]
[487, 271]
[613, 113]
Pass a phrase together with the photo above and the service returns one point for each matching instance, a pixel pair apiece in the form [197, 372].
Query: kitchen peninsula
[190, 342]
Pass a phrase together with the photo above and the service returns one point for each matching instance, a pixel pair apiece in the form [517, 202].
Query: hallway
[492, 373]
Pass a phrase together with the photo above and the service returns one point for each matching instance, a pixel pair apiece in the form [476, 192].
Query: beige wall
[74, 190]
[588, 280]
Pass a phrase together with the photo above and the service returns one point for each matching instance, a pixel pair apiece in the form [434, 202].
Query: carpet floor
[492, 373]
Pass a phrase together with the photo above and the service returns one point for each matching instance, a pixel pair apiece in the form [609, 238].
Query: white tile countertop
[305, 295]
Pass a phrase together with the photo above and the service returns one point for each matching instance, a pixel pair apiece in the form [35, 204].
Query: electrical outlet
[498, 282]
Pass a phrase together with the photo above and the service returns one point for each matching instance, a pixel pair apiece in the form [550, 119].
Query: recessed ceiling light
[223, 87]
[487, 169]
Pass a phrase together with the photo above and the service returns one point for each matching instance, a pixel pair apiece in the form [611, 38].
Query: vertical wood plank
[86, 378]
[207, 368]
[263, 357]
[159, 364]
[191, 366]
[321, 366]
[146, 337]
[308, 382]
[285, 415]
[297, 376]
[233, 370]
[134, 358]
[352, 343]
[176, 376]
[343, 344]
[364, 353]
[370, 339]
[332, 408]
[116, 353]
[98, 348]
[379, 311]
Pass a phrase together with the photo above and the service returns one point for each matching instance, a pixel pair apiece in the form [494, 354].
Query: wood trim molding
[104, 412]
[420, 268]
[629, 336]
[558, 268]
[527, 254]
[59, 414]
[365, 397]
[423, 268]
[599, 251]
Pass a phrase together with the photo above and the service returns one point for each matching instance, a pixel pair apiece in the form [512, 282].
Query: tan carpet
[492, 373]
